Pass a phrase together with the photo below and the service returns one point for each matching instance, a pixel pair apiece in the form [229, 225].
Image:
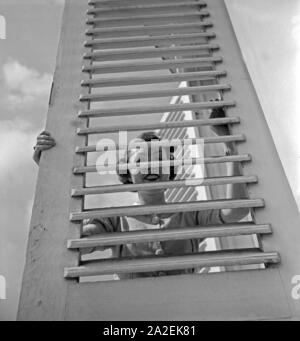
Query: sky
[268, 32]
[269, 35]
[27, 62]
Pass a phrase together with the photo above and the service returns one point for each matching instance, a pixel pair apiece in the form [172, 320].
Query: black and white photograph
[149, 163]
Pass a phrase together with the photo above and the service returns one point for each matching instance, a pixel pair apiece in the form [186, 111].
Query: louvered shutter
[97, 49]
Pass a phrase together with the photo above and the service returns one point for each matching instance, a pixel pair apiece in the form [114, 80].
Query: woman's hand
[88, 231]
[44, 141]
[221, 129]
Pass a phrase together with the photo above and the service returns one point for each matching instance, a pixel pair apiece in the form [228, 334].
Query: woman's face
[145, 172]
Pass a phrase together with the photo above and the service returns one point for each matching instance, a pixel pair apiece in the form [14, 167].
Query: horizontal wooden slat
[166, 163]
[148, 52]
[154, 109]
[161, 15]
[117, 3]
[204, 259]
[174, 17]
[161, 125]
[153, 93]
[136, 80]
[184, 19]
[111, 43]
[192, 141]
[168, 143]
[194, 232]
[133, 31]
[165, 185]
[159, 7]
[145, 65]
[168, 208]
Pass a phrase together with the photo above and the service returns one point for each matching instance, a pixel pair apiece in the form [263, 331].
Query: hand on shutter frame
[219, 112]
[44, 141]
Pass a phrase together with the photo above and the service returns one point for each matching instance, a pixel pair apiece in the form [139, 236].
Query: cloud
[57, 2]
[17, 181]
[296, 29]
[16, 141]
[24, 86]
